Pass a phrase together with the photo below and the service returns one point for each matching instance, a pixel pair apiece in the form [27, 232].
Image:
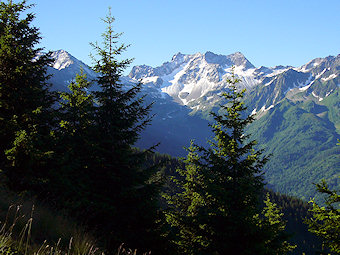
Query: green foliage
[77, 105]
[74, 143]
[272, 228]
[325, 221]
[81, 157]
[25, 102]
[220, 188]
[295, 212]
[187, 206]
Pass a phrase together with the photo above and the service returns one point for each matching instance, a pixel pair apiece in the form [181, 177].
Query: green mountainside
[302, 145]
[299, 127]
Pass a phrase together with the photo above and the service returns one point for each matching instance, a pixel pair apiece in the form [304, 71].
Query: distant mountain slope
[302, 144]
[297, 110]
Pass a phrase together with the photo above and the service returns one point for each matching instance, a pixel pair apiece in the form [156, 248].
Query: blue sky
[267, 32]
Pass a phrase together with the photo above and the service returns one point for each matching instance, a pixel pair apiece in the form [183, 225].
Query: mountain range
[297, 110]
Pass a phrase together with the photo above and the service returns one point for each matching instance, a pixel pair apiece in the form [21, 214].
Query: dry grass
[14, 242]
[127, 251]
[26, 229]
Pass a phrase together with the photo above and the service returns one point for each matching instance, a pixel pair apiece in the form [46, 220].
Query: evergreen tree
[125, 200]
[325, 221]
[272, 237]
[74, 143]
[25, 102]
[190, 209]
[216, 208]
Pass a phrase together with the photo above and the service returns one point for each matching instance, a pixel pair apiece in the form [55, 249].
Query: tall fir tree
[125, 199]
[216, 208]
[25, 100]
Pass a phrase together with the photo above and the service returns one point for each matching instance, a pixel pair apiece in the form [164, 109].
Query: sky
[267, 32]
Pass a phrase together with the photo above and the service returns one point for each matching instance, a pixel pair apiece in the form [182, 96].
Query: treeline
[75, 151]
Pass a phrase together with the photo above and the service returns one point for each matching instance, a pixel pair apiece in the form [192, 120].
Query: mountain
[311, 82]
[197, 80]
[298, 117]
[297, 110]
[189, 79]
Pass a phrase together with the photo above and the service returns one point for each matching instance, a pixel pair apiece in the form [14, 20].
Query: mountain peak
[62, 59]
[69, 66]
[239, 59]
[178, 58]
[238, 54]
[212, 58]
[177, 55]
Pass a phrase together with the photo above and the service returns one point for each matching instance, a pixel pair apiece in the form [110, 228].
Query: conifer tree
[220, 188]
[125, 200]
[325, 221]
[25, 101]
[74, 144]
[272, 238]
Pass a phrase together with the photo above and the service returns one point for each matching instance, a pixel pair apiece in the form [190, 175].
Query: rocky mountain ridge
[197, 80]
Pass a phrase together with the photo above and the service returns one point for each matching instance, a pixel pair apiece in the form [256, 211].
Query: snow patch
[277, 71]
[150, 79]
[320, 74]
[332, 76]
[329, 93]
[304, 86]
[264, 109]
[316, 96]
[268, 83]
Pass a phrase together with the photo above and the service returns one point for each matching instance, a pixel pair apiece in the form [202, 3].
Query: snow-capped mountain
[197, 80]
[187, 78]
[315, 80]
[65, 67]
